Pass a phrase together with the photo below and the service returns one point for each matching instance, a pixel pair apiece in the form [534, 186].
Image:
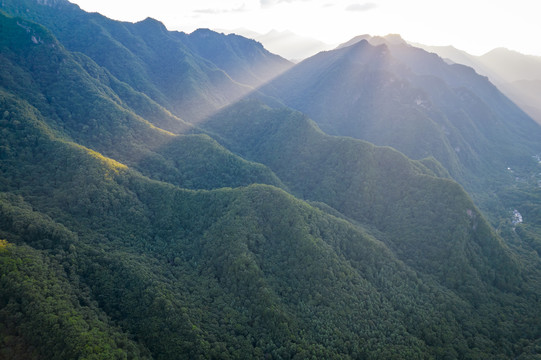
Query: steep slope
[48, 321]
[526, 94]
[87, 105]
[153, 60]
[409, 99]
[428, 221]
[355, 91]
[457, 56]
[516, 75]
[512, 65]
[245, 60]
[104, 255]
[233, 243]
[242, 273]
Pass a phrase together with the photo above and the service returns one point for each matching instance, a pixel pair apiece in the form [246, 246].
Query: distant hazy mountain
[514, 73]
[527, 94]
[521, 77]
[287, 44]
[129, 233]
[391, 39]
[512, 65]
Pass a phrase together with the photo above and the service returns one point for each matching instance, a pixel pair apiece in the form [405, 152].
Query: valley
[168, 195]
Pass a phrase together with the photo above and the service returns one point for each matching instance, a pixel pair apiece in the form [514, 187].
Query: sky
[476, 26]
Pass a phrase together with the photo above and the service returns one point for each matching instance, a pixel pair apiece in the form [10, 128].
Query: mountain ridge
[252, 234]
[446, 111]
[130, 52]
[291, 46]
[506, 69]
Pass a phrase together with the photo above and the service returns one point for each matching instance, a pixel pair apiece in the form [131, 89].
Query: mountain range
[169, 195]
[517, 75]
[398, 95]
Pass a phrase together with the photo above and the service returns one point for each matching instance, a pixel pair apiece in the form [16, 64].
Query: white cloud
[361, 7]
[241, 8]
[268, 3]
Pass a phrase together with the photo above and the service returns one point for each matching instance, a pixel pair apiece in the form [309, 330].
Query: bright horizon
[476, 26]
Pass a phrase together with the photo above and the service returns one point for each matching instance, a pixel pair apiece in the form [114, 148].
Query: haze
[475, 26]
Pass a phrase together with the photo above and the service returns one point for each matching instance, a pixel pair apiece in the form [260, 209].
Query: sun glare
[474, 26]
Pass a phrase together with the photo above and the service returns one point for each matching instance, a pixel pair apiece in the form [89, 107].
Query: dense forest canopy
[160, 199]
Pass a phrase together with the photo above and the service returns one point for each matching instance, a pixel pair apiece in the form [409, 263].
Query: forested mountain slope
[92, 108]
[244, 60]
[496, 145]
[411, 100]
[397, 95]
[425, 219]
[240, 273]
[121, 239]
[179, 71]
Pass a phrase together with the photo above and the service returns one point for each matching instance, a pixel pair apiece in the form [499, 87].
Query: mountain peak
[390, 39]
[151, 22]
[359, 50]
[151, 25]
[394, 39]
[500, 51]
[203, 31]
